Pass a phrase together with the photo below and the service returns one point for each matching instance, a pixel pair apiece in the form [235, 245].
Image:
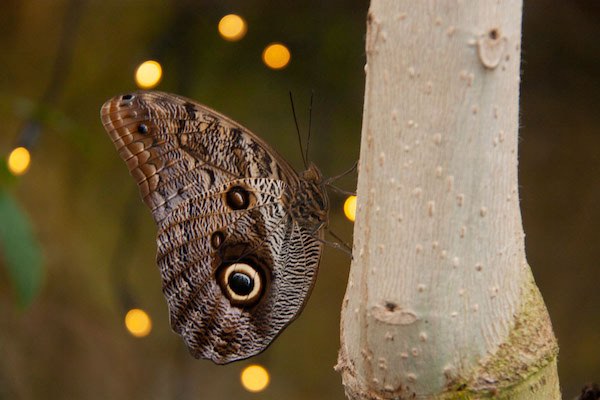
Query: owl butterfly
[239, 231]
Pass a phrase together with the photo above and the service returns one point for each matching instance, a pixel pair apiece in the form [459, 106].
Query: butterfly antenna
[298, 130]
[312, 94]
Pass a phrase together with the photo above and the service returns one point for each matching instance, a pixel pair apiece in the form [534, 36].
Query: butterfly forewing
[236, 263]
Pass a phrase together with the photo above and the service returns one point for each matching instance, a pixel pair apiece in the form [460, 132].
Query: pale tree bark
[441, 302]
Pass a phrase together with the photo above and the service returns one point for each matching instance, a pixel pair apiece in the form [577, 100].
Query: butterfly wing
[236, 267]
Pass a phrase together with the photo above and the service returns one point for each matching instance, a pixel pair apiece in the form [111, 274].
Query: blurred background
[77, 250]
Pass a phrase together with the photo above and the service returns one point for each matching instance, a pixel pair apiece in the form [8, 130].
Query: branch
[440, 301]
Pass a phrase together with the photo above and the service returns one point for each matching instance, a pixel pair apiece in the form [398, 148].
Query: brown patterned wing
[236, 266]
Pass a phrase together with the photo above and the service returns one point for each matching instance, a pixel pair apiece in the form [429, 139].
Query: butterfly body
[239, 231]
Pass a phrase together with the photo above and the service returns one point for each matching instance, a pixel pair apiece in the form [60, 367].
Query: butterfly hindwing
[236, 264]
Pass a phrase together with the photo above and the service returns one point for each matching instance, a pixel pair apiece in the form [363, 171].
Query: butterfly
[240, 232]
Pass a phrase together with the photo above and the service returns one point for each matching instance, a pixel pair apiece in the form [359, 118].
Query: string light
[232, 27]
[255, 378]
[148, 74]
[276, 56]
[19, 160]
[138, 322]
[350, 208]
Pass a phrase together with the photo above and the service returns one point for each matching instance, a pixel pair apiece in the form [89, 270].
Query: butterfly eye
[237, 198]
[242, 284]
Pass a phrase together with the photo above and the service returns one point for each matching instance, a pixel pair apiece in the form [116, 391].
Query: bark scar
[491, 46]
[373, 33]
[390, 313]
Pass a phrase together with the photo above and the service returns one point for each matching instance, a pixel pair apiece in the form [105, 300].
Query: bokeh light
[350, 208]
[19, 160]
[255, 378]
[276, 56]
[232, 27]
[148, 74]
[138, 322]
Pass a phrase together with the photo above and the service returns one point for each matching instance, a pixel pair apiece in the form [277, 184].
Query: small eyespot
[237, 198]
[216, 239]
[241, 283]
[142, 128]
[127, 100]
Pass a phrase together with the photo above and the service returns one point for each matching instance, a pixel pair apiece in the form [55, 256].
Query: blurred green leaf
[19, 249]
[6, 178]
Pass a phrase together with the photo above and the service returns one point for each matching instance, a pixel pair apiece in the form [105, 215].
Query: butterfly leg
[341, 191]
[328, 181]
[338, 246]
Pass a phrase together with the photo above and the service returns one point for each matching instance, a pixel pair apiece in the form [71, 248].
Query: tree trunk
[441, 302]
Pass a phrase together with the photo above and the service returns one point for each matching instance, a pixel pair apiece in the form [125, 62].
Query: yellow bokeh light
[232, 27]
[138, 322]
[19, 160]
[148, 74]
[276, 56]
[255, 378]
[350, 208]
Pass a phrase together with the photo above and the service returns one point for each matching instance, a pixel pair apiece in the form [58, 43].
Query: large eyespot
[237, 198]
[241, 283]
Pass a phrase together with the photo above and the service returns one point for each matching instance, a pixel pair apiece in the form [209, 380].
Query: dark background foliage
[62, 59]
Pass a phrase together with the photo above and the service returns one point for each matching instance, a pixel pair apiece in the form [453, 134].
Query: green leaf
[6, 178]
[19, 249]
